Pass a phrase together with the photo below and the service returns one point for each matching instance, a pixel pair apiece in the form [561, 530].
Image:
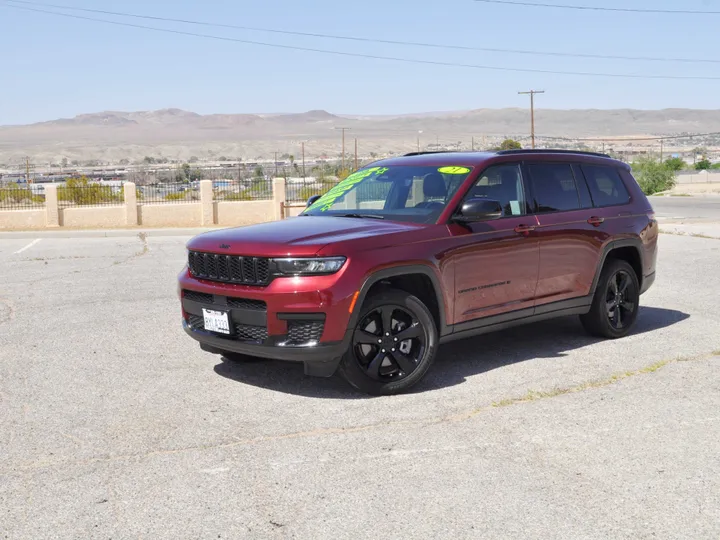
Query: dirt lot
[113, 423]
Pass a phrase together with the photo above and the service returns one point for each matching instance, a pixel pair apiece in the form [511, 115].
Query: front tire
[616, 302]
[394, 344]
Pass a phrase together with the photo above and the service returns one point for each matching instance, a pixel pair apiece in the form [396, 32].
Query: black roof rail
[550, 151]
[430, 152]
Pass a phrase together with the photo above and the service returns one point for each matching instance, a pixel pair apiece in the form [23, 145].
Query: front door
[496, 261]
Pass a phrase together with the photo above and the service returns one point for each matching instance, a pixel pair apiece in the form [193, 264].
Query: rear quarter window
[606, 186]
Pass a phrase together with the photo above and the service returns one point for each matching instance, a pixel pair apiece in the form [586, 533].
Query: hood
[295, 237]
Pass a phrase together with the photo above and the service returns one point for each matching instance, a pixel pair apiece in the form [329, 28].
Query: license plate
[216, 321]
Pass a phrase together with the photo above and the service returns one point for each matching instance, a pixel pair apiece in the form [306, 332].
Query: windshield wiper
[370, 216]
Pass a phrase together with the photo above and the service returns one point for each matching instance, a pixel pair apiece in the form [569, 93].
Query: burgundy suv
[411, 252]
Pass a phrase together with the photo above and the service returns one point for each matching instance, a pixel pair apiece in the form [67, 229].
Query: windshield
[399, 193]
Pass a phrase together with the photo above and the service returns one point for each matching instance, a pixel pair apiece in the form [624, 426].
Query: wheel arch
[417, 279]
[628, 249]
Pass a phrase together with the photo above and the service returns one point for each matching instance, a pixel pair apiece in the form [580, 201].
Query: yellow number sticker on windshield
[453, 170]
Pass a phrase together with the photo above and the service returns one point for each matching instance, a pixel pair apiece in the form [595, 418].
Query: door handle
[525, 229]
[595, 221]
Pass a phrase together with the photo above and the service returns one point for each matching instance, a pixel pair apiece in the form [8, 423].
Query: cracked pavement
[113, 423]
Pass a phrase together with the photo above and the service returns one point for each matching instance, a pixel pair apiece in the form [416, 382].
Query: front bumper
[295, 319]
[320, 360]
[647, 283]
[284, 297]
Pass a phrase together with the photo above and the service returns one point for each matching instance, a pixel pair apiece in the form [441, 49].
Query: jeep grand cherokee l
[411, 252]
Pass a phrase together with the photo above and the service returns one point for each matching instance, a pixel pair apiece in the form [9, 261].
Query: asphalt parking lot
[113, 423]
[687, 209]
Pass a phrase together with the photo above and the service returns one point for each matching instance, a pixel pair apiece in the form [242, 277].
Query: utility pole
[276, 173]
[27, 170]
[473, 144]
[356, 155]
[532, 93]
[418, 141]
[661, 150]
[303, 158]
[343, 129]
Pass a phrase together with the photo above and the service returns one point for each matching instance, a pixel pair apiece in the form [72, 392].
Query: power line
[600, 8]
[369, 56]
[374, 40]
[629, 138]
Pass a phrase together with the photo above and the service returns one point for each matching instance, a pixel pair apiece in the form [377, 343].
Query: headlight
[308, 267]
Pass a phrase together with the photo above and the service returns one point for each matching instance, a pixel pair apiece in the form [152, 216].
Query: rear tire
[616, 302]
[394, 344]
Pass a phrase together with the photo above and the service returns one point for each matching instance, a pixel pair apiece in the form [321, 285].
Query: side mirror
[479, 210]
[312, 200]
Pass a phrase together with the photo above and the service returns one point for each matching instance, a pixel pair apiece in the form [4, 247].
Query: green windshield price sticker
[325, 202]
[453, 170]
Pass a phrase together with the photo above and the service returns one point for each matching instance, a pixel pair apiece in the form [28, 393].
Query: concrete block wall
[91, 217]
[698, 177]
[23, 220]
[697, 183]
[235, 214]
[129, 213]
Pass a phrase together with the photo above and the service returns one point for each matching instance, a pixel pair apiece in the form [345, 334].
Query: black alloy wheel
[620, 300]
[389, 343]
[393, 344]
[616, 302]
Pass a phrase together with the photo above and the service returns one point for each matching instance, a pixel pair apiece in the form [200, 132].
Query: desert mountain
[179, 134]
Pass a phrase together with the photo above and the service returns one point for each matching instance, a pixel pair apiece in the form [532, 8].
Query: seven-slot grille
[229, 268]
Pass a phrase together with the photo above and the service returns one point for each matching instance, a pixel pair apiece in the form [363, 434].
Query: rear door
[570, 240]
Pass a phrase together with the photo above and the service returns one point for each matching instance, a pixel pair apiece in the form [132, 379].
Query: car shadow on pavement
[455, 361]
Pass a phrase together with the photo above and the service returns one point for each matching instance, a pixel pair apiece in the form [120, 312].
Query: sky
[58, 67]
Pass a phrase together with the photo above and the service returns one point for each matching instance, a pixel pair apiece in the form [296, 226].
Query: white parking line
[31, 244]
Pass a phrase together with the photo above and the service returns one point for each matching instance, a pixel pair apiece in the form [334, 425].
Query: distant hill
[179, 134]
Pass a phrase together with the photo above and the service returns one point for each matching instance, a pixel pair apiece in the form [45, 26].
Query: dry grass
[534, 395]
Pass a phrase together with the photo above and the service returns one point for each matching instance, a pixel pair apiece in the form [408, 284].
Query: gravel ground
[113, 423]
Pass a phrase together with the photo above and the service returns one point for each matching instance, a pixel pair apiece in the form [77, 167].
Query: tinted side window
[606, 186]
[504, 184]
[554, 187]
[585, 198]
